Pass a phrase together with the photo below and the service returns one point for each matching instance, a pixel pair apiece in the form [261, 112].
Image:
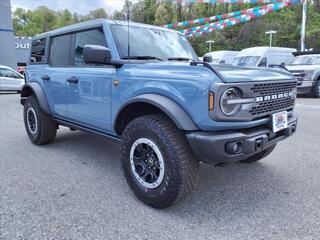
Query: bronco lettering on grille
[274, 96]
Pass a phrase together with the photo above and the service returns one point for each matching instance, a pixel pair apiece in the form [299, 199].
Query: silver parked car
[10, 80]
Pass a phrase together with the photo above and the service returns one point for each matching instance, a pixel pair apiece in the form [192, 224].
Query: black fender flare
[177, 114]
[35, 89]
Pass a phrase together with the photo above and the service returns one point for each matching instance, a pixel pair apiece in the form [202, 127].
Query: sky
[78, 6]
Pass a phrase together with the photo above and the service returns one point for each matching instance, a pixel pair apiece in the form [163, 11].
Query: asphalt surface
[74, 189]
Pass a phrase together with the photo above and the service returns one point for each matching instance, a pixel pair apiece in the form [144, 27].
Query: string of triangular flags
[229, 19]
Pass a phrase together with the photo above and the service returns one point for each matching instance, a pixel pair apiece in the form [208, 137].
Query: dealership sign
[22, 45]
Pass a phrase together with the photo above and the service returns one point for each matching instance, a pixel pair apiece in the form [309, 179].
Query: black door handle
[73, 80]
[46, 78]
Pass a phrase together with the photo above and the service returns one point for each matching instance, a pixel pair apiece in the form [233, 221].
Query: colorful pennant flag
[220, 25]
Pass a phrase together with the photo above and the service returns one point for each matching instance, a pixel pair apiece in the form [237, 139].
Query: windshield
[248, 61]
[306, 60]
[156, 43]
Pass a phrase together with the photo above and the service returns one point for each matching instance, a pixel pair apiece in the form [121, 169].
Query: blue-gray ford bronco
[144, 86]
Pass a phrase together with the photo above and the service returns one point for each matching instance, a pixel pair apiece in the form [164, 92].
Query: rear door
[88, 85]
[55, 75]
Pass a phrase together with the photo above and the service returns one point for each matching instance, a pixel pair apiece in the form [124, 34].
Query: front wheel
[316, 90]
[157, 161]
[259, 155]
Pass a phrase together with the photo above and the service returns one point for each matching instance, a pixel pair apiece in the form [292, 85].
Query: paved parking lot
[74, 189]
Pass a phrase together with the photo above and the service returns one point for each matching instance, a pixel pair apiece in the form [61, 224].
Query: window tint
[59, 50]
[91, 37]
[38, 50]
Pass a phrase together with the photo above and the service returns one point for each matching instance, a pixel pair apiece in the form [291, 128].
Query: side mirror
[207, 59]
[96, 54]
[282, 64]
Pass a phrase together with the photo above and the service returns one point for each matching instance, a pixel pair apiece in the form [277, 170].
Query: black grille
[272, 106]
[274, 88]
[285, 97]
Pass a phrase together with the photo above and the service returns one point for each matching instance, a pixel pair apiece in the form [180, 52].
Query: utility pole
[210, 42]
[270, 33]
[303, 25]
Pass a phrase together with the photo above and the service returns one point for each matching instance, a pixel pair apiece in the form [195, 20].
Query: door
[89, 86]
[10, 80]
[54, 76]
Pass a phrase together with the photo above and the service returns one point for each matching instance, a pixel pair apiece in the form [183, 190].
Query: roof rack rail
[305, 53]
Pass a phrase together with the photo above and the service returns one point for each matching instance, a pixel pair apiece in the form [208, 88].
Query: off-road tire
[316, 89]
[181, 166]
[46, 128]
[259, 155]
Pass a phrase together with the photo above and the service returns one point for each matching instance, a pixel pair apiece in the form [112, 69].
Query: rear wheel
[157, 161]
[316, 89]
[259, 155]
[39, 126]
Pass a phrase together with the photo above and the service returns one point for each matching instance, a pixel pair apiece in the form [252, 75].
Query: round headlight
[228, 103]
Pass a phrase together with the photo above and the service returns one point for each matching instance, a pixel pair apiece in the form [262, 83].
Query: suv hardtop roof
[6, 67]
[258, 51]
[95, 23]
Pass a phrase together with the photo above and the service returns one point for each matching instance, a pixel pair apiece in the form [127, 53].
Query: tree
[287, 22]
[98, 13]
[162, 15]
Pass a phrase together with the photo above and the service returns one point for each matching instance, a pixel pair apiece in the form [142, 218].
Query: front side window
[60, 50]
[38, 51]
[263, 62]
[161, 44]
[91, 37]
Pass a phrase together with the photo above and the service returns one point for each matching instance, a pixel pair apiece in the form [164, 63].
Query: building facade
[8, 54]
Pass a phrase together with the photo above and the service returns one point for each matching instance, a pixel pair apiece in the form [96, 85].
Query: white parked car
[306, 68]
[10, 80]
[264, 57]
[222, 57]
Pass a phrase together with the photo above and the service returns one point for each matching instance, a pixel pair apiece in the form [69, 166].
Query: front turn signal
[211, 101]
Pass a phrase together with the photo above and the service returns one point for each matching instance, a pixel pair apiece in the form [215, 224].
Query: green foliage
[286, 22]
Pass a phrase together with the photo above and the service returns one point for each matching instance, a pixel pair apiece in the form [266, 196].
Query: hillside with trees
[287, 22]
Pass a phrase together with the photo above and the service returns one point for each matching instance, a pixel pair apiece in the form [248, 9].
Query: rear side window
[60, 50]
[90, 37]
[38, 51]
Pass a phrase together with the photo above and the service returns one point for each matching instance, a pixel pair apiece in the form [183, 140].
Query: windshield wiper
[141, 57]
[180, 59]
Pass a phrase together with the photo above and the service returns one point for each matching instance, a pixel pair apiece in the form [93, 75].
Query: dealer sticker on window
[279, 121]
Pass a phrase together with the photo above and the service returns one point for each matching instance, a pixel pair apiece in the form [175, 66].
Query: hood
[182, 70]
[302, 67]
[244, 74]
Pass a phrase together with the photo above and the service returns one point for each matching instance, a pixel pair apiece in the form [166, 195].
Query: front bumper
[214, 147]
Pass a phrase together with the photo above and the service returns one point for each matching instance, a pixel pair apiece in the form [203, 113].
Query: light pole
[210, 41]
[270, 33]
[303, 25]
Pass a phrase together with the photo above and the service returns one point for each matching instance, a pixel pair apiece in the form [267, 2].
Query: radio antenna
[128, 22]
